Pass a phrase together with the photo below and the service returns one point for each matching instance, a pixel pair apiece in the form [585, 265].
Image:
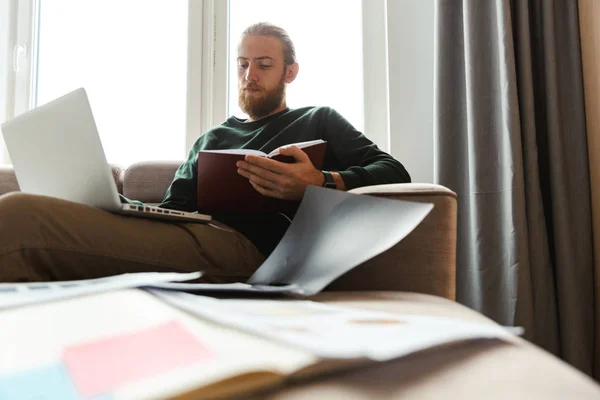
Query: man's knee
[21, 236]
[21, 204]
[19, 214]
[15, 198]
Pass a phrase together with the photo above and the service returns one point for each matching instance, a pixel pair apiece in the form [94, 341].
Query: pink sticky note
[101, 366]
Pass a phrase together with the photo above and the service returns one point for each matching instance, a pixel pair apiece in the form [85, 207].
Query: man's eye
[266, 66]
[243, 66]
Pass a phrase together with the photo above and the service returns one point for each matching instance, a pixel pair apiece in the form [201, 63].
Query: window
[159, 73]
[328, 49]
[131, 56]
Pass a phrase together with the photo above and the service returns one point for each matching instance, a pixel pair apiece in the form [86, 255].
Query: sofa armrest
[425, 261]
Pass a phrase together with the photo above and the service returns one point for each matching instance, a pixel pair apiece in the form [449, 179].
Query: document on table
[330, 331]
[21, 294]
[129, 344]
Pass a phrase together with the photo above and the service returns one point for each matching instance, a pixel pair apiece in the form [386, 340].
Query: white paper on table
[235, 287]
[331, 331]
[21, 294]
[33, 338]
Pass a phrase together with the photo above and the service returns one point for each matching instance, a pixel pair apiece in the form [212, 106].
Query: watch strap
[329, 181]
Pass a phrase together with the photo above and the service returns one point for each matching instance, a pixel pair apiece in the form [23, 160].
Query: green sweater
[358, 160]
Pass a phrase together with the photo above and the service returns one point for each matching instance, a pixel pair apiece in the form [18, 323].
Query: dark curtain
[510, 139]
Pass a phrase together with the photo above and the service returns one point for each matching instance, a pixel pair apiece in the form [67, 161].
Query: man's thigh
[43, 238]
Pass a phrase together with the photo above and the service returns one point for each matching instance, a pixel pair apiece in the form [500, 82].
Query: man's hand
[281, 180]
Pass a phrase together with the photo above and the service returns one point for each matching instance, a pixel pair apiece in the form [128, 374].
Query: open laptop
[56, 151]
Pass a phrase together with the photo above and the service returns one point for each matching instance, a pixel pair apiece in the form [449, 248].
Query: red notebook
[222, 190]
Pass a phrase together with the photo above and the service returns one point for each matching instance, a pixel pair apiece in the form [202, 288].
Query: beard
[257, 107]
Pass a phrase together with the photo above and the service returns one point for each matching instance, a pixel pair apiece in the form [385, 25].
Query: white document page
[330, 331]
[35, 338]
[228, 287]
[21, 294]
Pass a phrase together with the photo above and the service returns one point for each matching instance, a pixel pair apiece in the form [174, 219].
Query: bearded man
[50, 239]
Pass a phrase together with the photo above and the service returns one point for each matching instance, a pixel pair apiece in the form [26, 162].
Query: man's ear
[292, 72]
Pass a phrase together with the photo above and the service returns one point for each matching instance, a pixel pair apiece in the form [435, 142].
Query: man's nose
[251, 75]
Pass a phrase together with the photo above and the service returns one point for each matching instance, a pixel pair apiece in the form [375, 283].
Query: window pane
[327, 35]
[131, 56]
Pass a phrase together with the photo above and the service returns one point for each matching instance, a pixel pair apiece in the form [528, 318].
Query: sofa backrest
[148, 181]
[8, 181]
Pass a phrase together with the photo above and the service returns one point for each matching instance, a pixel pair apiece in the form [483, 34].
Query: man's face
[261, 75]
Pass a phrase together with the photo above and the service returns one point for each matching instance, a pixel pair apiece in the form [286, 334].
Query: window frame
[17, 82]
[24, 35]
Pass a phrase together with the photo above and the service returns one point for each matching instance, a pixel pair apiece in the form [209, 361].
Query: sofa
[417, 276]
[423, 262]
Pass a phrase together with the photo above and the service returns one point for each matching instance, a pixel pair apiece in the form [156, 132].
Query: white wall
[410, 57]
[375, 73]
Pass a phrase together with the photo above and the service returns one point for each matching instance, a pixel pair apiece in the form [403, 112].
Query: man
[44, 238]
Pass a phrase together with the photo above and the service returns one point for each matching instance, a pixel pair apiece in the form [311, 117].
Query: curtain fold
[510, 139]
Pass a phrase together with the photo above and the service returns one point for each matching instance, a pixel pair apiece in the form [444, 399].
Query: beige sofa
[424, 262]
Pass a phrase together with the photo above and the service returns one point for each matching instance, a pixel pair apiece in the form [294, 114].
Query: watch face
[330, 185]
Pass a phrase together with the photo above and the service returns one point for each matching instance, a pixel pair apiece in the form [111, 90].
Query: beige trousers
[47, 239]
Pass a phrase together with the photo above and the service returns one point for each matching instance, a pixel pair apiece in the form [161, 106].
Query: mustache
[252, 86]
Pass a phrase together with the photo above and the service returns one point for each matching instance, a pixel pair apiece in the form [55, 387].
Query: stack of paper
[134, 344]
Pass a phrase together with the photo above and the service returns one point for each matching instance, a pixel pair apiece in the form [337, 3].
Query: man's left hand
[281, 180]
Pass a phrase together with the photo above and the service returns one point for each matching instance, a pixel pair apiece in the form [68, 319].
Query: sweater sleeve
[182, 195]
[362, 162]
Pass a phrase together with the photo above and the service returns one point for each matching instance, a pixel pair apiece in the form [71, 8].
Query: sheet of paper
[104, 365]
[328, 220]
[334, 332]
[21, 294]
[47, 382]
[226, 287]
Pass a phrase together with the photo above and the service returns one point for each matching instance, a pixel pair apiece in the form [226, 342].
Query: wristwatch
[329, 181]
